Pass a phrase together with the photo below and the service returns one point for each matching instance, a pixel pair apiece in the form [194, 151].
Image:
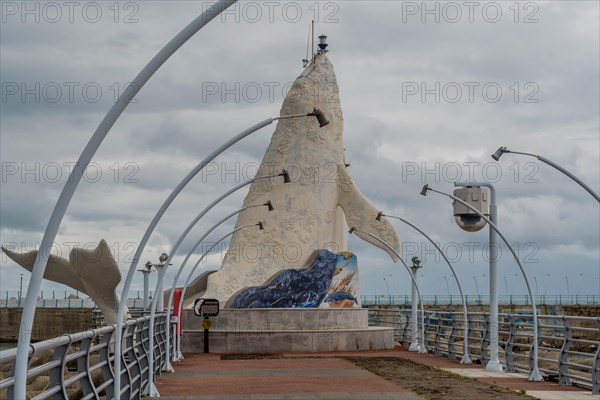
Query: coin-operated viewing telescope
[476, 196]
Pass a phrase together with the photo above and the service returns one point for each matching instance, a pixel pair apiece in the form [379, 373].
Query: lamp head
[286, 176]
[424, 190]
[320, 117]
[379, 215]
[269, 205]
[260, 226]
[163, 257]
[148, 265]
[351, 231]
[416, 261]
[501, 150]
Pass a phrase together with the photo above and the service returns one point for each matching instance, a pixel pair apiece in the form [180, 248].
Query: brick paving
[310, 376]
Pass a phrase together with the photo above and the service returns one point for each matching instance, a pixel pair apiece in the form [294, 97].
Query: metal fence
[401, 300]
[569, 347]
[80, 365]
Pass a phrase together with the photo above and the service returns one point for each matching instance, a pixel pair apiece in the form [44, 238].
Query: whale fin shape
[93, 272]
[360, 214]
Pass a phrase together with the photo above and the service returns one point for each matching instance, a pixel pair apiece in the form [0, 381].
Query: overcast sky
[429, 91]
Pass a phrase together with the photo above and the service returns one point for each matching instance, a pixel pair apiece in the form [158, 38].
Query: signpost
[206, 308]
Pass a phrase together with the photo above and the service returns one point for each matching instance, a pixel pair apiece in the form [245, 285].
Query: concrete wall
[48, 323]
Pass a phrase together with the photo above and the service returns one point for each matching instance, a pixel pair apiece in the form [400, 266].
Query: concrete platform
[277, 330]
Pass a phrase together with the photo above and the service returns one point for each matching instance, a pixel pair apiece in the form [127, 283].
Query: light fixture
[379, 215]
[148, 265]
[320, 117]
[501, 150]
[163, 257]
[269, 205]
[260, 226]
[424, 190]
[286, 176]
[416, 261]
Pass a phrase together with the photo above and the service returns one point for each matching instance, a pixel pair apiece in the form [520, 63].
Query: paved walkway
[323, 376]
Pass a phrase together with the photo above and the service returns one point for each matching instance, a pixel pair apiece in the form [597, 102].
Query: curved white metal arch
[39, 267]
[465, 359]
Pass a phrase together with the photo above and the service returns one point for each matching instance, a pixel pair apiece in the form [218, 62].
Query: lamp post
[387, 286]
[465, 359]
[20, 291]
[501, 150]
[476, 287]
[535, 374]
[447, 286]
[414, 342]
[151, 389]
[568, 289]
[19, 389]
[286, 179]
[506, 286]
[322, 121]
[423, 348]
[189, 278]
[146, 272]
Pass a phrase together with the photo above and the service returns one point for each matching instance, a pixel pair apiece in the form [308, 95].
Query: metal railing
[62, 299]
[569, 346]
[401, 300]
[81, 365]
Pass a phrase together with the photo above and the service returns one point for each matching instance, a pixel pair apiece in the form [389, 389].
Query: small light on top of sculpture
[466, 218]
[322, 44]
[149, 266]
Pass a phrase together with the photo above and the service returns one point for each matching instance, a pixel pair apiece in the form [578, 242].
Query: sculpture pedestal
[279, 330]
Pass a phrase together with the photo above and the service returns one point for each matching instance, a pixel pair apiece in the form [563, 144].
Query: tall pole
[505, 285]
[146, 273]
[447, 286]
[494, 362]
[466, 359]
[535, 374]
[19, 389]
[20, 291]
[414, 342]
[476, 286]
[568, 289]
[158, 294]
[423, 348]
[387, 286]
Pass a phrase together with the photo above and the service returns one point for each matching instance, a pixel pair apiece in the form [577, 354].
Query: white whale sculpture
[304, 219]
[93, 272]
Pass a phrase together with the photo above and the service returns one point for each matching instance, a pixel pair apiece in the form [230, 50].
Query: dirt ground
[433, 383]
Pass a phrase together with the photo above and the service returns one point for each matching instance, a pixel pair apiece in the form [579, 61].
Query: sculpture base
[277, 330]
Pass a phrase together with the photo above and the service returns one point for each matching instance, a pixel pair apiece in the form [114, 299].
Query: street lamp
[189, 278]
[423, 348]
[414, 342]
[466, 359]
[387, 286]
[160, 213]
[19, 389]
[496, 156]
[146, 272]
[20, 291]
[447, 286]
[476, 286]
[568, 289]
[286, 179]
[535, 374]
[151, 389]
[506, 286]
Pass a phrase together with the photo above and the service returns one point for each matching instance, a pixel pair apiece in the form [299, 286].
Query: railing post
[452, 336]
[437, 349]
[485, 353]
[508, 351]
[135, 370]
[407, 318]
[596, 368]
[563, 359]
[531, 361]
[57, 373]
[83, 363]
